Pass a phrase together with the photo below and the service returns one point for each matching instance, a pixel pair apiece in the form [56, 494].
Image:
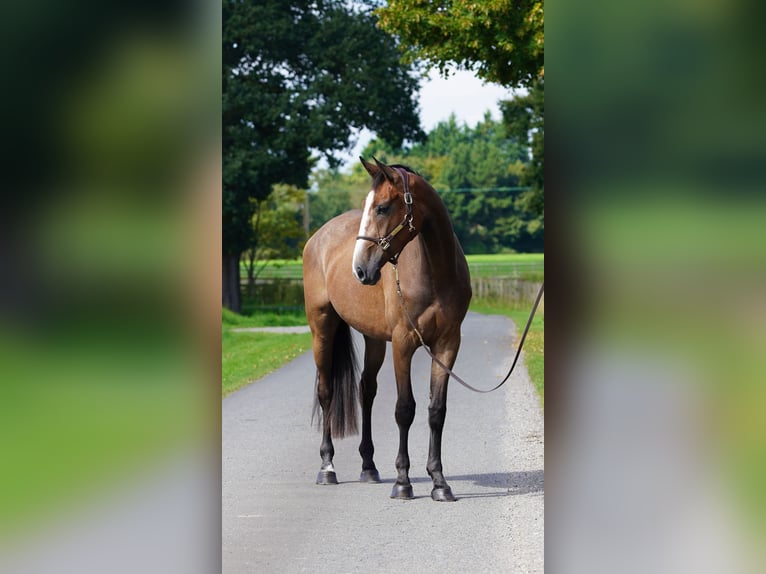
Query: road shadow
[506, 483]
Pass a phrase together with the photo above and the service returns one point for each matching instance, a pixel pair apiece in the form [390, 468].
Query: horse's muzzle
[367, 276]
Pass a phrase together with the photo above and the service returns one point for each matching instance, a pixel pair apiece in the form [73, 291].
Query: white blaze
[360, 243]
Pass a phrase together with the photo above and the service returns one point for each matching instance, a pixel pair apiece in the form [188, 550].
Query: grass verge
[248, 356]
[81, 413]
[263, 319]
[534, 346]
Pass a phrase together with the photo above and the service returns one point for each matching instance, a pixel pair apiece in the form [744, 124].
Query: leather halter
[385, 242]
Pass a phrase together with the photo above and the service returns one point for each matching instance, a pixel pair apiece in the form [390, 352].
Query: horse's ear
[371, 169]
[389, 172]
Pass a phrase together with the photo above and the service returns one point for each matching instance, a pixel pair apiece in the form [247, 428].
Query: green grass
[81, 412]
[507, 257]
[690, 294]
[524, 265]
[291, 318]
[247, 357]
[534, 346]
[278, 268]
[527, 266]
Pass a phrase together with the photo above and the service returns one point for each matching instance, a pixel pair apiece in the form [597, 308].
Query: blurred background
[656, 239]
[111, 244]
[109, 250]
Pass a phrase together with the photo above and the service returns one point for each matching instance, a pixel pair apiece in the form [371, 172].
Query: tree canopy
[524, 117]
[501, 40]
[299, 79]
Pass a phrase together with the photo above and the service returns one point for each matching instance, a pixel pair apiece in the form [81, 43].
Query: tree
[524, 118]
[476, 169]
[277, 230]
[298, 78]
[502, 40]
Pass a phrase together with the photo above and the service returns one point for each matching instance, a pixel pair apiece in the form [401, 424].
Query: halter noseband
[385, 242]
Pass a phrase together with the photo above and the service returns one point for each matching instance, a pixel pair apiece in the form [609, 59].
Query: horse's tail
[343, 405]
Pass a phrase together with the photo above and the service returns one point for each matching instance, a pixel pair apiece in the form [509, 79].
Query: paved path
[275, 519]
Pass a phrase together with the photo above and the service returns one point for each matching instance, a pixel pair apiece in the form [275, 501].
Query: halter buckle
[384, 243]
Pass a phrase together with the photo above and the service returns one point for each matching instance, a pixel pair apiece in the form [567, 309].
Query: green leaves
[523, 117]
[298, 79]
[502, 40]
[478, 171]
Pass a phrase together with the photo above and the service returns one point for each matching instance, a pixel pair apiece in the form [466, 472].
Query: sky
[462, 93]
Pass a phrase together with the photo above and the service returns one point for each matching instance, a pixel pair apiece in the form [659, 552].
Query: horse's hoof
[403, 491]
[443, 494]
[327, 477]
[369, 476]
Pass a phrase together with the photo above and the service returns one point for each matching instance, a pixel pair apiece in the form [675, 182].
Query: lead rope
[445, 367]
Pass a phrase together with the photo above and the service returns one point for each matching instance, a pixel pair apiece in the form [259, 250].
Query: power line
[455, 190]
[483, 189]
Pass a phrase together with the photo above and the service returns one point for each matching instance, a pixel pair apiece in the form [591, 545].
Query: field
[528, 266]
[248, 356]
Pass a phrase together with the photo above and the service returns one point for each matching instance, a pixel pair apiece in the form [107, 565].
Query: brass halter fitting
[385, 242]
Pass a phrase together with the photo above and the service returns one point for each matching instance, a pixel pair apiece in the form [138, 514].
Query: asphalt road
[275, 519]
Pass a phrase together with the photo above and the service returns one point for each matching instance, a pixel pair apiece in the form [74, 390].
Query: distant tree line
[482, 173]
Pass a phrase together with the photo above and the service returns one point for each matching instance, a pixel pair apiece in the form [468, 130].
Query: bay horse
[348, 284]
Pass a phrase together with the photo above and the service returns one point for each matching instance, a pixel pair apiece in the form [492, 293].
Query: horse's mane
[379, 178]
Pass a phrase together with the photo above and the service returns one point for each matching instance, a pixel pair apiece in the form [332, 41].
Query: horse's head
[388, 221]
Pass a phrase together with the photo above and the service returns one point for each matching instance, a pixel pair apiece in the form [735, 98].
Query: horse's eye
[382, 209]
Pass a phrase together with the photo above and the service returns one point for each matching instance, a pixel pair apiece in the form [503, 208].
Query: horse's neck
[438, 243]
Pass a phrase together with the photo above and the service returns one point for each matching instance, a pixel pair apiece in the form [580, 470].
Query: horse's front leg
[437, 412]
[405, 414]
[374, 353]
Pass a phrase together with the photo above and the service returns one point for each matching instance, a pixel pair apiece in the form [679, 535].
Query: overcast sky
[462, 93]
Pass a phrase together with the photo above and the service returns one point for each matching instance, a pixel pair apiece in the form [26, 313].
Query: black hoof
[369, 476]
[443, 494]
[403, 491]
[327, 477]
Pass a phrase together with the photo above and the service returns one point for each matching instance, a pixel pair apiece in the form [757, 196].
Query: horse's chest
[433, 315]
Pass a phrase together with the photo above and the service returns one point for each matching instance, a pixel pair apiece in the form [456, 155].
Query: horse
[348, 284]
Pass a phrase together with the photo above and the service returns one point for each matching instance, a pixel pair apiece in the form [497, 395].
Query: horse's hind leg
[323, 332]
[374, 353]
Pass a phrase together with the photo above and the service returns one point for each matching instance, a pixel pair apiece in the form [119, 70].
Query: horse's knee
[405, 412]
